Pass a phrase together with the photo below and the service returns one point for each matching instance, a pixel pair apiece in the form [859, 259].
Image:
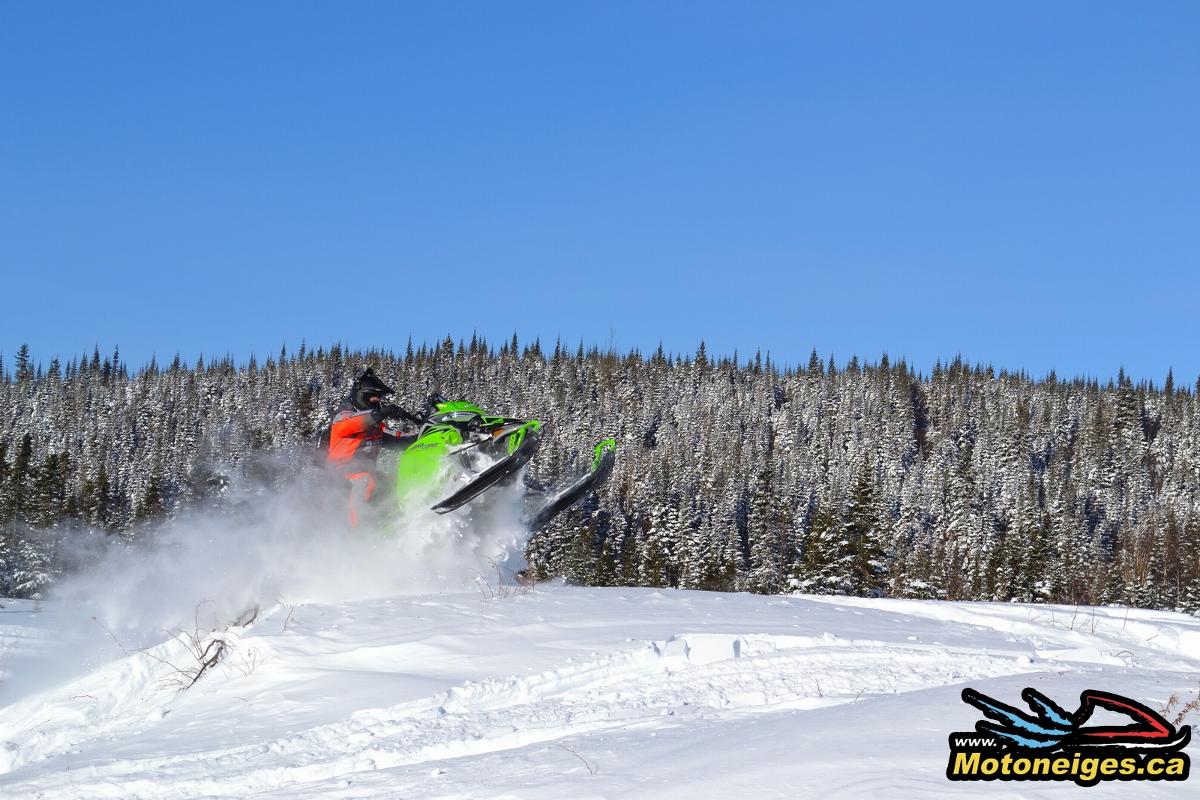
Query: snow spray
[279, 545]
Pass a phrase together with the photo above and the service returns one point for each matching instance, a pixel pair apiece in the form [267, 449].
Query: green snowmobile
[481, 451]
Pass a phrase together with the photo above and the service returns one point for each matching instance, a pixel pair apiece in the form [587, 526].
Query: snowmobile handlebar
[431, 404]
[392, 411]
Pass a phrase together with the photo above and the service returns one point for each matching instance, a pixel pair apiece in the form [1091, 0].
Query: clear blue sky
[1019, 182]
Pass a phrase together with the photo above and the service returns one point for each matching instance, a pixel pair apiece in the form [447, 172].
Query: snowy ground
[568, 692]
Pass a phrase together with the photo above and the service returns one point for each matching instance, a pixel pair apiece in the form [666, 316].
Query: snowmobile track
[690, 674]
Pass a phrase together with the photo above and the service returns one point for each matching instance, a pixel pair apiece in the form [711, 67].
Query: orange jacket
[356, 437]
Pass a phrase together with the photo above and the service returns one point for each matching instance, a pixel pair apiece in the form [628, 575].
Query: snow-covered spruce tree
[767, 537]
[1190, 597]
[812, 569]
[861, 537]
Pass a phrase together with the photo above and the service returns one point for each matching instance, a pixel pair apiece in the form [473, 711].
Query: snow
[564, 691]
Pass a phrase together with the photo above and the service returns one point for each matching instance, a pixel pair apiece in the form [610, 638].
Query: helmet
[367, 385]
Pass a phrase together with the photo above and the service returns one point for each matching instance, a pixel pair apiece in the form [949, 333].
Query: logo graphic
[1053, 744]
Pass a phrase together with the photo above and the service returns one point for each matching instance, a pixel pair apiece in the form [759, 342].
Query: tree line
[852, 477]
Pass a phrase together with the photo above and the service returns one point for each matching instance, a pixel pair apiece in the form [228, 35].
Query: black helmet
[367, 385]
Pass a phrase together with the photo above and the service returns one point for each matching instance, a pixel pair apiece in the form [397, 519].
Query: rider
[359, 431]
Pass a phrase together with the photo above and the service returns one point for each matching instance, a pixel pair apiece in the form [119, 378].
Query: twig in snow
[112, 636]
[591, 768]
[291, 607]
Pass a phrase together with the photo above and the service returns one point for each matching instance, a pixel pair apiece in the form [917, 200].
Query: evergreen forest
[732, 475]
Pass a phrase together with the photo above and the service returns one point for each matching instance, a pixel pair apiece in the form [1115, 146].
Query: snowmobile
[481, 451]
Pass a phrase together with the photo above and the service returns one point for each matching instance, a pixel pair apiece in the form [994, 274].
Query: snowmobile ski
[492, 475]
[602, 464]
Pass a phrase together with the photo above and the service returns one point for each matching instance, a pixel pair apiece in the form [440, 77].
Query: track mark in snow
[685, 675]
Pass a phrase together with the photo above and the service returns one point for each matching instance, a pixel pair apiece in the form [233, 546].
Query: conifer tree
[861, 536]
[766, 538]
[20, 480]
[24, 366]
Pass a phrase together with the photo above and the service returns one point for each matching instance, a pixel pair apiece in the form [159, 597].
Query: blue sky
[1017, 182]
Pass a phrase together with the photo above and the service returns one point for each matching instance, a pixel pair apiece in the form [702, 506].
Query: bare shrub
[499, 587]
[1181, 707]
[206, 648]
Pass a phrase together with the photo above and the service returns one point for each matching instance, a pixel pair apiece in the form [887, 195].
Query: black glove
[383, 411]
[390, 411]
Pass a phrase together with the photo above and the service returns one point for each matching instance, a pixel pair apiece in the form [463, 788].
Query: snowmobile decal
[602, 448]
